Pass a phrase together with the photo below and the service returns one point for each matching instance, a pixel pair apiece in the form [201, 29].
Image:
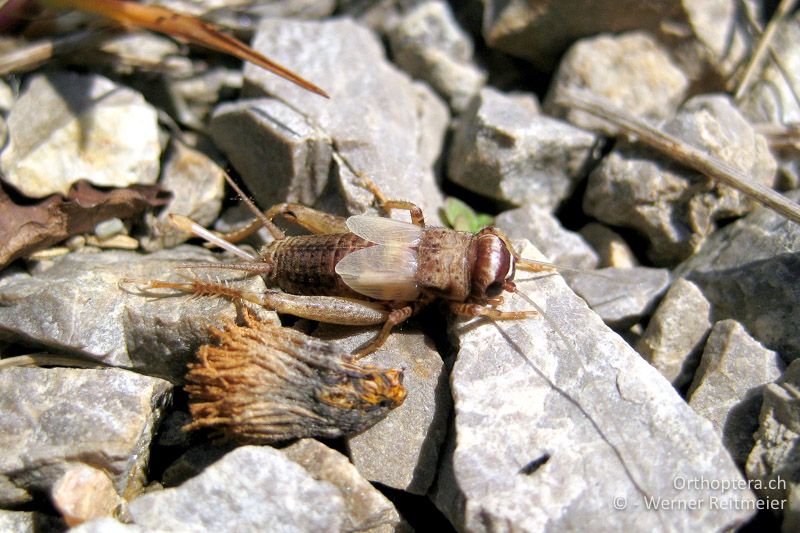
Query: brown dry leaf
[191, 29]
[25, 229]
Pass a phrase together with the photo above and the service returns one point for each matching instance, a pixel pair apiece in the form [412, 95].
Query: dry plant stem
[780, 135]
[786, 73]
[32, 55]
[682, 152]
[784, 8]
[46, 359]
[163, 20]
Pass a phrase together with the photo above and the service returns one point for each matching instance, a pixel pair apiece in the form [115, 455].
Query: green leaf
[462, 217]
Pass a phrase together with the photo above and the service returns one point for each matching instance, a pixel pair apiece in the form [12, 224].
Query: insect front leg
[475, 310]
[395, 317]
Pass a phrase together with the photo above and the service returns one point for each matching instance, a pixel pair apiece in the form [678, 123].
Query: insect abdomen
[306, 265]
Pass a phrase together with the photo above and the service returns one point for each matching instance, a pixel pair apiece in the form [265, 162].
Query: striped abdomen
[305, 264]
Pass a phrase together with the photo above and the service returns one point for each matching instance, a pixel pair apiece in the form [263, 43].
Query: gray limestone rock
[247, 490]
[195, 96]
[720, 42]
[29, 522]
[66, 127]
[675, 334]
[402, 450]
[708, 36]
[366, 509]
[728, 386]
[505, 149]
[280, 153]
[791, 512]
[93, 305]
[541, 34]
[673, 207]
[380, 126]
[220, 10]
[428, 44]
[107, 525]
[54, 418]
[560, 425]
[132, 52]
[381, 16]
[611, 248]
[763, 295]
[197, 185]
[16, 521]
[621, 296]
[630, 70]
[774, 462]
[434, 121]
[6, 98]
[749, 272]
[544, 231]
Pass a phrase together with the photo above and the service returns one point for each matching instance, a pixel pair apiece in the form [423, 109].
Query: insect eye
[493, 264]
[494, 289]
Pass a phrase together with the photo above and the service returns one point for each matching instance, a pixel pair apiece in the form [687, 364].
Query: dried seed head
[265, 383]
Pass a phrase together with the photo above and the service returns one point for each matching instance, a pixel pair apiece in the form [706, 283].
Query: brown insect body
[381, 271]
[438, 263]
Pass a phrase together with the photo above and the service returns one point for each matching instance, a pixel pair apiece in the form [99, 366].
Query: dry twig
[46, 359]
[191, 29]
[680, 151]
[784, 8]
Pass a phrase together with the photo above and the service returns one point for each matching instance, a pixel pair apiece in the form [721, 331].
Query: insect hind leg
[317, 222]
[395, 317]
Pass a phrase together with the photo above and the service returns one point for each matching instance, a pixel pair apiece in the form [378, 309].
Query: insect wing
[381, 272]
[384, 230]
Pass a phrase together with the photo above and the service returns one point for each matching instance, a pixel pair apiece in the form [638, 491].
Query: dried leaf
[266, 383]
[25, 229]
[191, 29]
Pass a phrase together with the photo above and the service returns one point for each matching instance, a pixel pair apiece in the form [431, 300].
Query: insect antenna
[271, 227]
[258, 267]
[188, 225]
[534, 265]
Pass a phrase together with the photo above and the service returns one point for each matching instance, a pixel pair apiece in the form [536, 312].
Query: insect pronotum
[367, 270]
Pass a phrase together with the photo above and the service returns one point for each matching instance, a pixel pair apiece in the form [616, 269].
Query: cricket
[367, 270]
